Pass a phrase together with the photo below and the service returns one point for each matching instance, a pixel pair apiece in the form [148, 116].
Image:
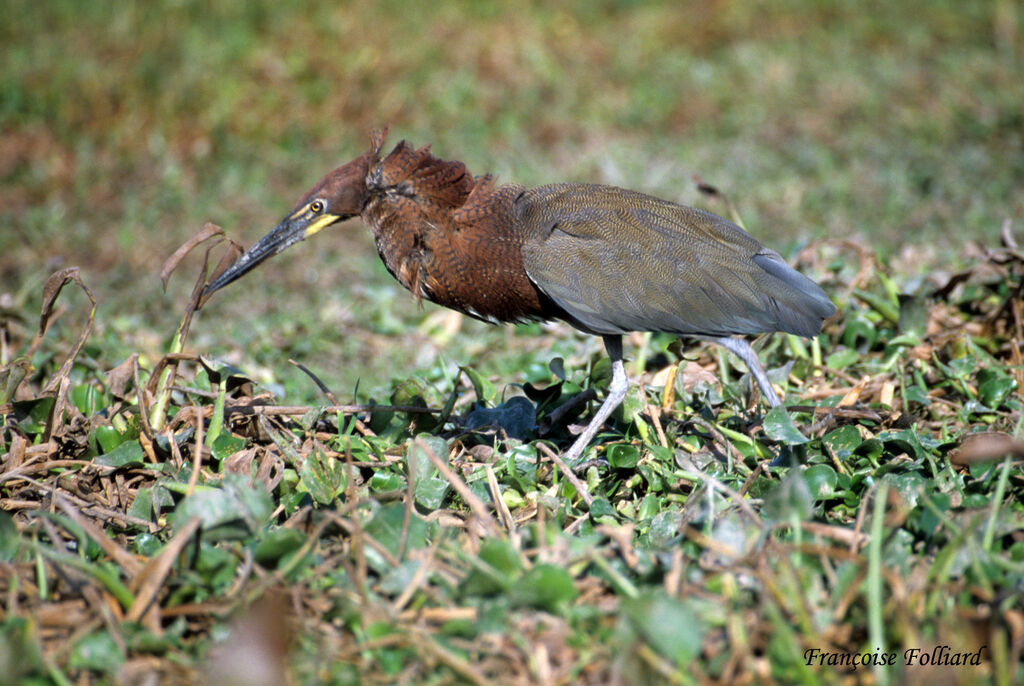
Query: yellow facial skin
[319, 223]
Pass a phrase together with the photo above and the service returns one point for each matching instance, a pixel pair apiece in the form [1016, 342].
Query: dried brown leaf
[150, 580]
[121, 376]
[51, 290]
[208, 231]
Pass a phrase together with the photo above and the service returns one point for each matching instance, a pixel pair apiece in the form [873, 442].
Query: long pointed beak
[290, 231]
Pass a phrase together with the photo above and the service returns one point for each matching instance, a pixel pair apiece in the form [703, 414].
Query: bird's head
[338, 196]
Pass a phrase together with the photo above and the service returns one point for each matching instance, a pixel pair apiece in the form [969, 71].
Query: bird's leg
[742, 349]
[616, 393]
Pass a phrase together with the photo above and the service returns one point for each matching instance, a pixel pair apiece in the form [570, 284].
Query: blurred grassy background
[125, 126]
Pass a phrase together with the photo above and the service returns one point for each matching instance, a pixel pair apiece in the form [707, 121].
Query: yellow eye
[317, 206]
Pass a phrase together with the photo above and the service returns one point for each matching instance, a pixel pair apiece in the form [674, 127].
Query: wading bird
[604, 259]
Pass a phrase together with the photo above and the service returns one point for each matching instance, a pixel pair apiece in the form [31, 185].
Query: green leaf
[109, 438]
[499, 565]
[10, 541]
[821, 481]
[671, 628]
[430, 493]
[147, 544]
[789, 499]
[502, 555]
[382, 481]
[234, 510]
[880, 304]
[649, 507]
[601, 507]
[859, 329]
[842, 358]
[398, 578]
[19, 648]
[276, 544]
[429, 490]
[994, 387]
[386, 528]
[32, 415]
[86, 398]
[483, 388]
[545, 587]
[127, 454]
[142, 506]
[623, 455]
[225, 445]
[323, 477]
[98, 652]
[779, 426]
[843, 441]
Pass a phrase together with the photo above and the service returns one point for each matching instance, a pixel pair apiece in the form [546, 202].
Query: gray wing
[617, 261]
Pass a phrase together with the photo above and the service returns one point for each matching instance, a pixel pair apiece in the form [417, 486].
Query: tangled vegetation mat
[173, 522]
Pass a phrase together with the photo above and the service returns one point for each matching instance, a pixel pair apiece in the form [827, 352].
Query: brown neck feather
[451, 238]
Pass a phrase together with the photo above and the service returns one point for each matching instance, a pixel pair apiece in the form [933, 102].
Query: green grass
[123, 129]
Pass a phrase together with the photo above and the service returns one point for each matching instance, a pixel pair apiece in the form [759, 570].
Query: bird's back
[616, 260]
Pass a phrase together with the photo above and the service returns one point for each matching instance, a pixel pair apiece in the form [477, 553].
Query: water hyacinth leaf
[127, 454]
[142, 506]
[32, 415]
[226, 445]
[821, 481]
[665, 623]
[429, 489]
[323, 477]
[96, 651]
[234, 510]
[386, 527]
[623, 455]
[502, 566]
[545, 587]
[399, 577]
[843, 441]
[381, 482]
[650, 506]
[842, 358]
[109, 438]
[789, 499]
[276, 544]
[483, 388]
[502, 555]
[859, 331]
[10, 543]
[779, 426]
[994, 386]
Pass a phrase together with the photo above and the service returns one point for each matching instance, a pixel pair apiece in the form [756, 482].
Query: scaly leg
[616, 393]
[742, 349]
